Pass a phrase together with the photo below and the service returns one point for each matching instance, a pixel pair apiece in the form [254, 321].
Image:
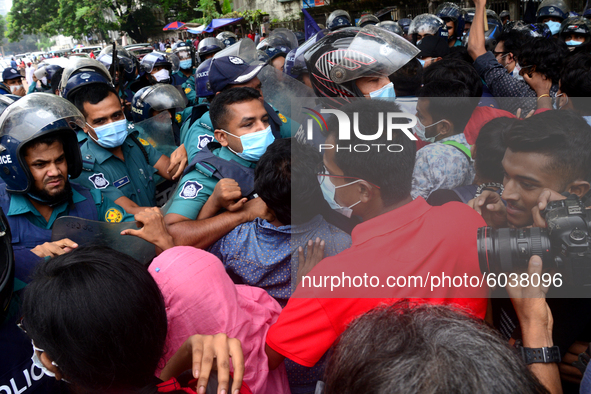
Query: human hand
[56, 248]
[539, 82]
[490, 206]
[153, 228]
[199, 352]
[529, 114]
[314, 254]
[544, 198]
[178, 161]
[256, 208]
[228, 195]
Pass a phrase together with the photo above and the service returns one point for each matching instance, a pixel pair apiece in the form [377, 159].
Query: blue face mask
[386, 92]
[554, 26]
[186, 64]
[253, 144]
[422, 62]
[573, 43]
[110, 135]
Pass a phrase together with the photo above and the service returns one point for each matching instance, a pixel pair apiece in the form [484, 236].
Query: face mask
[110, 135]
[38, 362]
[14, 88]
[329, 191]
[44, 81]
[554, 26]
[386, 92]
[253, 144]
[186, 64]
[516, 71]
[558, 96]
[419, 130]
[162, 75]
[422, 62]
[573, 43]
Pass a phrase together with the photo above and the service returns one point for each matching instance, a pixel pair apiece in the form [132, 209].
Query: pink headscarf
[201, 298]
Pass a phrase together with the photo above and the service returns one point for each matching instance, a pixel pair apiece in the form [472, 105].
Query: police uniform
[200, 133]
[30, 229]
[197, 185]
[133, 178]
[179, 78]
[189, 89]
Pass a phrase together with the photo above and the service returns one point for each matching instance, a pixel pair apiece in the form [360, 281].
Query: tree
[44, 43]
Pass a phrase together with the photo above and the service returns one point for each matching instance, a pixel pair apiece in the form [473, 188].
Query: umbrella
[175, 26]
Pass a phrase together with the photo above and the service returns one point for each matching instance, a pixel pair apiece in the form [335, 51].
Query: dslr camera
[564, 245]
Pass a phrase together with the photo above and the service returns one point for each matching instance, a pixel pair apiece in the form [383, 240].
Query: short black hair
[407, 80]
[391, 171]
[458, 53]
[513, 41]
[450, 100]
[285, 179]
[454, 70]
[562, 135]
[92, 93]
[575, 80]
[490, 149]
[218, 110]
[100, 316]
[56, 79]
[546, 54]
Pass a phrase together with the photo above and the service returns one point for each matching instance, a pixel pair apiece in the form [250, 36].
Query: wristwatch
[538, 355]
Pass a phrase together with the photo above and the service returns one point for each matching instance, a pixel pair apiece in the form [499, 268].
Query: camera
[564, 245]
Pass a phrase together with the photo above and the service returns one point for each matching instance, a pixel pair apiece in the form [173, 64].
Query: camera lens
[509, 249]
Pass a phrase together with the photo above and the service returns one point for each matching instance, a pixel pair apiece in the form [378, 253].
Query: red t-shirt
[413, 240]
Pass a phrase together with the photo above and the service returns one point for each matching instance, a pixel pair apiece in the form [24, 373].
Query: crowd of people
[253, 170]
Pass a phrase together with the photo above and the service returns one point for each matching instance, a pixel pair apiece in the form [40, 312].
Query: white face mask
[516, 71]
[419, 130]
[329, 192]
[161, 75]
[15, 88]
[37, 362]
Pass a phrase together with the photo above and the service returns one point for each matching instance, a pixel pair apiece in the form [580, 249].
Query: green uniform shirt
[195, 188]
[133, 178]
[107, 210]
[189, 87]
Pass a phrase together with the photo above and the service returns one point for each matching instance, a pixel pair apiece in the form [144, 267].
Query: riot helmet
[157, 98]
[7, 267]
[576, 32]
[368, 20]
[504, 15]
[227, 38]
[162, 61]
[404, 24]
[295, 64]
[209, 46]
[427, 25]
[34, 116]
[394, 27]
[552, 9]
[126, 63]
[184, 53]
[202, 79]
[338, 19]
[81, 72]
[450, 12]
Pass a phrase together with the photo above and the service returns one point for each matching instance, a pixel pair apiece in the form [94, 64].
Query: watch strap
[540, 355]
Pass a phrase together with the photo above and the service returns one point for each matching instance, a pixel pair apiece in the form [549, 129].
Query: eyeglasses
[322, 173]
[499, 53]
[523, 69]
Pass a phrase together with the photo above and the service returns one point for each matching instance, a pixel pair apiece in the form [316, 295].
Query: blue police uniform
[30, 229]
[134, 178]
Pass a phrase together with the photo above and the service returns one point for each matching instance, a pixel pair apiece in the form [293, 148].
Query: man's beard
[62, 196]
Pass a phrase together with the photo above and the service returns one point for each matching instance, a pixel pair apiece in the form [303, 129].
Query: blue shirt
[440, 166]
[266, 256]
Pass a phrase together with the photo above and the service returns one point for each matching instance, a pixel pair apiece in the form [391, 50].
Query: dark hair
[407, 80]
[575, 80]
[391, 171]
[459, 53]
[454, 70]
[218, 110]
[409, 348]
[93, 94]
[47, 139]
[562, 135]
[513, 41]
[285, 179]
[56, 79]
[450, 100]
[490, 149]
[546, 54]
[100, 316]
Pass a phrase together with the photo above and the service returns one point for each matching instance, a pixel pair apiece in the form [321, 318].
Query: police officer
[552, 13]
[44, 73]
[427, 25]
[227, 72]
[221, 176]
[126, 70]
[39, 152]
[186, 63]
[453, 16]
[575, 31]
[368, 20]
[208, 47]
[338, 19]
[279, 44]
[13, 80]
[157, 67]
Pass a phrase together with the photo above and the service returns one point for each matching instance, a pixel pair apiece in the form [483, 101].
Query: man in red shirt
[404, 243]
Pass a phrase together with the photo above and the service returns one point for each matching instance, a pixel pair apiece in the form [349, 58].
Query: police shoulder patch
[178, 118]
[98, 180]
[283, 118]
[190, 190]
[113, 215]
[144, 142]
[187, 90]
[204, 139]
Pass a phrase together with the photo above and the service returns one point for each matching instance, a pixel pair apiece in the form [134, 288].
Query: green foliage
[209, 10]
[226, 7]
[44, 43]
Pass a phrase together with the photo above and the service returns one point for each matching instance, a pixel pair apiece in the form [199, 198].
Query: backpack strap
[461, 147]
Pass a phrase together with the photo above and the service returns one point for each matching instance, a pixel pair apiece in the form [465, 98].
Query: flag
[310, 25]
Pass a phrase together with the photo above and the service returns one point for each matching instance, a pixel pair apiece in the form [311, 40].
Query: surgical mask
[556, 106]
[37, 362]
[516, 71]
[186, 64]
[386, 92]
[422, 62]
[161, 75]
[110, 135]
[329, 191]
[419, 130]
[15, 88]
[554, 26]
[44, 81]
[253, 144]
[573, 43]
